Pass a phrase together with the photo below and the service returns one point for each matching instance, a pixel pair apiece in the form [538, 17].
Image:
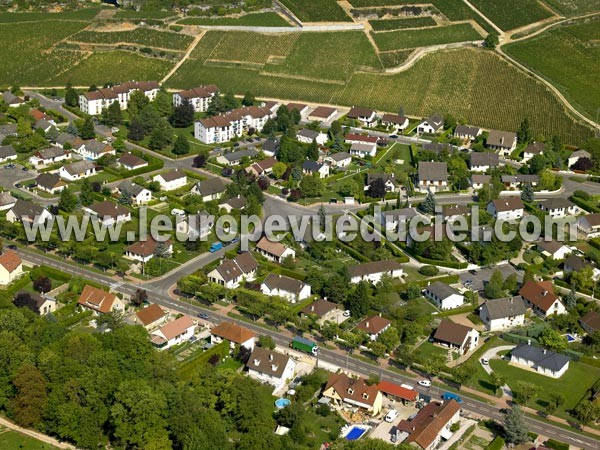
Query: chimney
[271, 357]
[312, 307]
[367, 325]
[545, 293]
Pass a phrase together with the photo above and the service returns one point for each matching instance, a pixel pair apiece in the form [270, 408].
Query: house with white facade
[195, 226]
[431, 125]
[339, 160]
[543, 361]
[173, 333]
[467, 132]
[519, 180]
[322, 114]
[387, 178]
[589, 225]
[199, 97]
[99, 301]
[344, 390]
[432, 424]
[94, 102]
[456, 336]
[444, 296]
[236, 158]
[78, 170]
[366, 116]
[533, 149]
[394, 122]
[363, 149]
[7, 153]
[576, 155]
[108, 213]
[504, 142]
[478, 181]
[282, 286]
[139, 194]
[397, 219]
[234, 334]
[11, 267]
[172, 180]
[553, 249]
[274, 251]
[506, 209]
[37, 303]
[144, 251]
[49, 156]
[374, 271]
[270, 367]
[129, 161]
[374, 326]
[25, 211]
[432, 176]
[7, 201]
[483, 161]
[235, 123]
[211, 189]
[540, 297]
[353, 138]
[503, 313]
[231, 273]
[558, 207]
[311, 168]
[50, 183]
[307, 136]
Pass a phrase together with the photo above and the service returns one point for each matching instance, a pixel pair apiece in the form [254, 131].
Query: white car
[391, 415]
[485, 361]
[346, 313]
[424, 383]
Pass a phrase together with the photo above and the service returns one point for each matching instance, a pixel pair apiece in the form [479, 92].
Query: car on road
[485, 361]
[473, 272]
[424, 383]
[391, 415]
[393, 136]
[18, 185]
[447, 396]
[237, 144]
[203, 316]
[25, 169]
[11, 246]
[114, 130]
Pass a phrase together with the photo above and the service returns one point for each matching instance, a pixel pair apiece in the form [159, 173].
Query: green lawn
[427, 350]
[85, 15]
[573, 385]
[403, 39]
[10, 440]
[266, 19]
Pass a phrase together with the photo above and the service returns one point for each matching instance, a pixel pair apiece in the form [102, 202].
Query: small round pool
[282, 403]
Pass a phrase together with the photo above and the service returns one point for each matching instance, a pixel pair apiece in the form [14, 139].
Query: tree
[248, 99]
[112, 115]
[311, 186]
[498, 380]
[358, 300]
[140, 297]
[200, 160]
[181, 146]
[389, 339]
[86, 195]
[494, 287]
[537, 164]
[527, 193]
[587, 411]
[377, 188]
[583, 164]
[161, 136]
[67, 201]
[183, 115]
[428, 205]
[87, 130]
[491, 41]
[71, 96]
[28, 404]
[582, 278]
[312, 153]
[137, 102]
[570, 299]
[279, 169]
[552, 339]
[42, 284]
[266, 341]
[524, 132]
[515, 427]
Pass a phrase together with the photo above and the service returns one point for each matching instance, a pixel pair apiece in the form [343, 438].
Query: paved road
[471, 406]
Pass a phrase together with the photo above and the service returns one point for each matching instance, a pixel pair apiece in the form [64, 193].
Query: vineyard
[267, 19]
[571, 8]
[511, 14]
[403, 39]
[140, 36]
[80, 14]
[27, 53]
[560, 54]
[394, 59]
[113, 66]
[317, 11]
[398, 24]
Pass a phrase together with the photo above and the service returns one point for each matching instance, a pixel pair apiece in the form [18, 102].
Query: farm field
[559, 54]
[403, 39]
[141, 36]
[394, 59]
[143, 14]
[320, 11]
[267, 19]
[574, 7]
[27, 53]
[80, 14]
[398, 24]
[116, 66]
[511, 14]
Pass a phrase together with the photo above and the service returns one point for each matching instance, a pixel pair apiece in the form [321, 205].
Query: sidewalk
[34, 434]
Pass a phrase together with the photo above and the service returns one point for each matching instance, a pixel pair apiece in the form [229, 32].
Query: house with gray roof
[139, 194]
[444, 296]
[503, 313]
[271, 367]
[50, 182]
[24, 211]
[483, 161]
[313, 167]
[558, 207]
[48, 156]
[282, 286]
[307, 136]
[544, 361]
[466, 132]
[7, 201]
[432, 176]
[211, 189]
[7, 153]
[431, 125]
[77, 170]
[504, 142]
[235, 158]
[576, 155]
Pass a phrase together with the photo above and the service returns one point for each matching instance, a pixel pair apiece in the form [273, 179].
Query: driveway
[484, 274]
[493, 353]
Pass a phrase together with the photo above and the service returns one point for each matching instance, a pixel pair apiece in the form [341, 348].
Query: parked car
[485, 361]
[391, 415]
[203, 316]
[346, 313]
[424, 383]
[393, 136]
[447, 396]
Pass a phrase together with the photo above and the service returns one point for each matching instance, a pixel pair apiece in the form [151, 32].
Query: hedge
[517, 338]
[53, 273]
[435, 262]
[556, 445]
[496, 444]
[355, 254]
[585, 205]
[448, 279]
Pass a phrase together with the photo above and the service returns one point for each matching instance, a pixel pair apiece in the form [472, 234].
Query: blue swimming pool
[355, 433]
[282, 403]
[570, 338]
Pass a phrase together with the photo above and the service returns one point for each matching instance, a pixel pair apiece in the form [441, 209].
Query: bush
[556, 445]
[429, 271]
[584, 195]
[496, 444]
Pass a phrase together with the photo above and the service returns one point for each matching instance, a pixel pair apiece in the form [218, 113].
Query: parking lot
[12, 173]
[476, 281]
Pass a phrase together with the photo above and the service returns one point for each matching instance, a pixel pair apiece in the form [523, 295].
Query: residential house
[274, 251]
[451, 213]
[478, 181]
[353, 138]
[199, 97]
[439, 149]
[589, 225]
[11, 267]
[50, 182]
[342, 389]
[432, 176]
[151, 316]
[575, 263]
[100, 301]
[37, 303]
[10, 129]
[94, 102]
[322, 114]
[300, 107]
[519, 180]
[12, 100]
[444, 296]
[394, 122]
[590, 322]
[139, 194]
[282, 286]
[270, 367]
[231, 273]
[129, 161]
[234, 334]
[263, 167]
[558, 207]
[387, 178]
[456, 336]
[7, 201]
[223, 128]
[506, 208]
[395, 392]
[366, 116]
[44, 125]
[533, 149]
[270, 147]
[543, 361]
[429, 426]
[466, 132]
[374, 326]
[109, 213]
[431, 125]
[237, 203]
[553, 249]
[503, 313]
[323, 310]
[93, 149]
[65, 140]
[397, 219]
[174, 333]
[483, 161]
[24, 211]
[362, 150]
[36, 114]
[339, 160]
[171, 180]
[49, 156]
[540, 297]
[236, 158]
[7, 153]
[307, 136]
[195, 226]
[211, 189]
[144, 251]
[374, 271]
[576, 155]
[315, 168]
[502, 141]
[78, 170]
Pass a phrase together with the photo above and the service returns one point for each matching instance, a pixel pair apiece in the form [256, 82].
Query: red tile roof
[96, 299]
[398, 391]
[232, 332]
[541, 294]
[150, 314]
[10, 261]
[373, 325]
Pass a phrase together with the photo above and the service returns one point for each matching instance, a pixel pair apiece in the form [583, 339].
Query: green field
[26, 52]
[394, 59]
[574, 7]
[143, 14]
[398, 24]
[317, 11]
[510, 14]
[116, 66]
[80, 14]
[560, 54]
[12, 440]
[145, 37]
[267, 19]
[403, 39]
